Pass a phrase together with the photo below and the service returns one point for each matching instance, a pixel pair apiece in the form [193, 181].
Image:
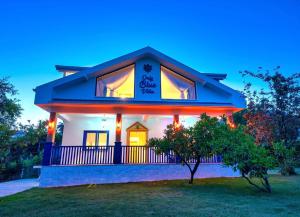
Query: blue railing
[79, 155]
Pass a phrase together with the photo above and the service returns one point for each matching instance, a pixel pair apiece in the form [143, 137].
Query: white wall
[75, 124]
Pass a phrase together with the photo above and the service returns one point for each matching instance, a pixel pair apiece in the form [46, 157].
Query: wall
[75, 124]
[54, 176]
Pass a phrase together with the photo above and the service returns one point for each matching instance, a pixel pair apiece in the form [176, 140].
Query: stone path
[15, 186]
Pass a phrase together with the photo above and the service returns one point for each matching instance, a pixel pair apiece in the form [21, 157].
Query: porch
[118, 154]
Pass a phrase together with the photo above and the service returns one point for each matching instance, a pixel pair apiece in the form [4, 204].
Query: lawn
[207, 197]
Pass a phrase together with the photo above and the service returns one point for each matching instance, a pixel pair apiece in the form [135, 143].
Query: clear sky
[209, 36]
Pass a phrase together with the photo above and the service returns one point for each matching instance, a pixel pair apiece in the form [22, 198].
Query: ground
[207, 197]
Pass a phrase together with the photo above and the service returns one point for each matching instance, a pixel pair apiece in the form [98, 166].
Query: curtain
[107, 85]
[185, 87]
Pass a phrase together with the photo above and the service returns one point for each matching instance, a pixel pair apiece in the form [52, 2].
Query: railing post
[177, 159]
[118, 153]
[47, 153]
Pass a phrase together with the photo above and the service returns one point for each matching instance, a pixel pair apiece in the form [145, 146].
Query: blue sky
[209, 36]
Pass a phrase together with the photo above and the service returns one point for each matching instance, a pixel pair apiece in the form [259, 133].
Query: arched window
[119, 83]
[175, 86]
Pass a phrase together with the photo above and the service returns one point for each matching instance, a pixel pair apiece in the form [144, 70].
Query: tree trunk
[192, 178]
[267, 185]
[194, 170]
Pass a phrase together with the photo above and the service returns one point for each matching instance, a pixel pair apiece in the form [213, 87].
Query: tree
[239, 151]
[190, 145]
[281, 101]
[10, 110]
[275, 111]
[285, 158]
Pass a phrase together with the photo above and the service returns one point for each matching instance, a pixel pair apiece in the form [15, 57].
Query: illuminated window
[175, 86]
[95, 138]
[119, 83]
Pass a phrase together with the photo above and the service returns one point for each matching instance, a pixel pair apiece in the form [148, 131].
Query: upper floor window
[119, 83]
[175, 86]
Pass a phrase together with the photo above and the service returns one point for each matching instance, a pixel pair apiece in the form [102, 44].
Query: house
[110, 111]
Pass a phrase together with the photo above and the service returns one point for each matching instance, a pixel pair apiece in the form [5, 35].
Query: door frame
[136, 126]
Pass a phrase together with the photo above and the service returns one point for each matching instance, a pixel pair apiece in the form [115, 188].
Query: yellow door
[137, 138]
[137, 154]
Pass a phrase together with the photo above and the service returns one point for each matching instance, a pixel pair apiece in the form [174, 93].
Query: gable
[82, 86]
[137, 126]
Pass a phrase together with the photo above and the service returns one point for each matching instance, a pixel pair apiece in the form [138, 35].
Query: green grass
[207, 197]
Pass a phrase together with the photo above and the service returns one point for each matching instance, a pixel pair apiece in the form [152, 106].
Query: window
[95, 138]
[175, 86]
[119, 83]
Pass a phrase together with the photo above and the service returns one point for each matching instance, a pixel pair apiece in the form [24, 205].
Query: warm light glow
[117, 84]
[174, 86]
[51, 125]
[91, 139]
[102, 140]
[118, 124]
[138, 138]
[176, 125]
[230, 122]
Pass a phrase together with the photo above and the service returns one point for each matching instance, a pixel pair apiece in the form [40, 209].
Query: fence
[80, 155]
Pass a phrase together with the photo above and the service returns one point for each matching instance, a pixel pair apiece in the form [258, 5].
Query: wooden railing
[79, 155]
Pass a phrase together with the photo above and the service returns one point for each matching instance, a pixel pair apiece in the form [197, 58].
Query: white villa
[110, 110]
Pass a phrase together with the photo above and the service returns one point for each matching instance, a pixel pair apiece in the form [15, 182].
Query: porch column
[176, 120]
[118, 143]
[176, 124]
[118, 127]
[50, 139]
[230, 121]
[51, 127]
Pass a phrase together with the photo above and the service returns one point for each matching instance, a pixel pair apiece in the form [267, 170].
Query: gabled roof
[62, 68]
[125, 60]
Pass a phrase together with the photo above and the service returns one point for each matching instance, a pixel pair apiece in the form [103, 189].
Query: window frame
[192, 81]
[97, 132]
[110, 72]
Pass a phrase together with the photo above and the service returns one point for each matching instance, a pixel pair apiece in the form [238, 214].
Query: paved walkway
[13, 187]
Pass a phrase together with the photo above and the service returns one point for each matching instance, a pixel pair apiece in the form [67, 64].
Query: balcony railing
[79, 155]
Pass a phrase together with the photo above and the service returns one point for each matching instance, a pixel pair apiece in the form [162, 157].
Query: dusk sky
[209, 36]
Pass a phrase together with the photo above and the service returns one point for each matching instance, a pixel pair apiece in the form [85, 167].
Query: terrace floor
[207, 197]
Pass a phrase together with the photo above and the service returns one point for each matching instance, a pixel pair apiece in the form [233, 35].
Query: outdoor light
[51, 125]
[119, 124]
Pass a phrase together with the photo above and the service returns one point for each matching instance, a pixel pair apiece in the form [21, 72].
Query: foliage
[189, 144]
[239, 151]
[273, 115]
[20, 145]
[281, 101]
[285, 158]
[10, 108]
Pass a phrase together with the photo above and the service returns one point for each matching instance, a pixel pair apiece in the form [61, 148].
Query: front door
[137, 136]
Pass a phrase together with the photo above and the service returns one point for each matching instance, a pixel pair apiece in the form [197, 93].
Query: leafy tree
[10, 110]
[281, 101]
[239, 151]
[190, 145]
[285, 158]
[274, 114]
